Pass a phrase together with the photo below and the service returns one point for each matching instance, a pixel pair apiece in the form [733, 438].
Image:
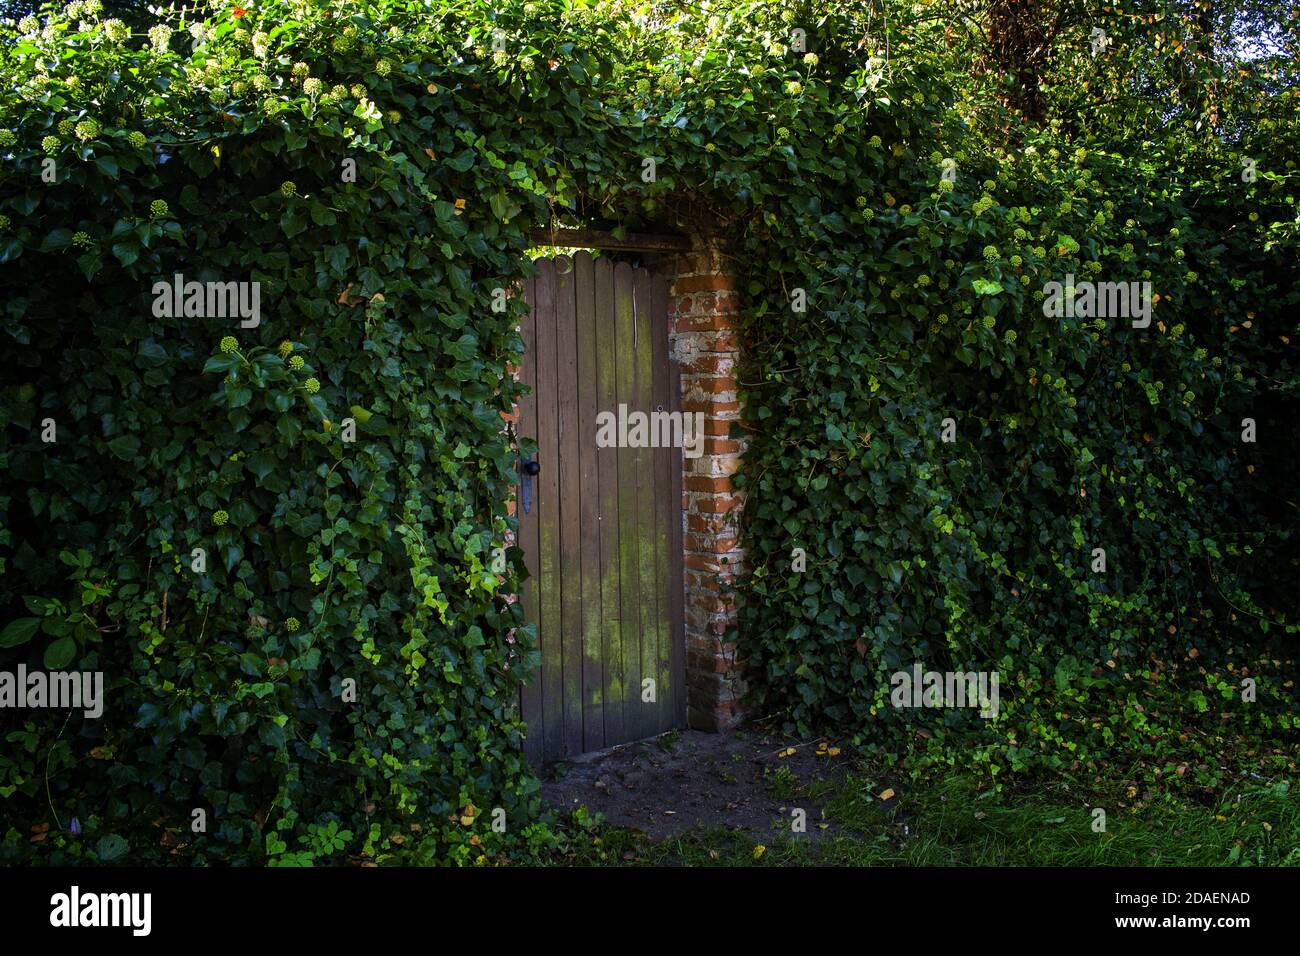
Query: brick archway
[703, 313]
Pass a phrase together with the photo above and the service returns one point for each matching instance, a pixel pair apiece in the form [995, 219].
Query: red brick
[721, 446]
[703, 283]
[702, 303]
[702, 562]
[709, 543]
[704, 323]
[714, 386]
[716, 504]
[723, 342]
[703, 483]
[708, 523]
[708, 365]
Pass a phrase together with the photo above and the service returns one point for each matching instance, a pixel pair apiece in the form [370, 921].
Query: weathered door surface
[602, 534]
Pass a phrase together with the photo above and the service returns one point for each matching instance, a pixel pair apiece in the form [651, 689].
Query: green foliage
[222, 157]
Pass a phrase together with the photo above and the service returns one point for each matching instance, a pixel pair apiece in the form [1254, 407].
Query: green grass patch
[950, 822]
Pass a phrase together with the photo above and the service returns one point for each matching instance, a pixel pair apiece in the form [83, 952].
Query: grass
[950, 823]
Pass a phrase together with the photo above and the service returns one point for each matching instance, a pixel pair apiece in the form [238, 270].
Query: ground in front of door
[687, 780]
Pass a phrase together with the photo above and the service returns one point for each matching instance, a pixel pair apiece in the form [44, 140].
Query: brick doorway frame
[705, 342]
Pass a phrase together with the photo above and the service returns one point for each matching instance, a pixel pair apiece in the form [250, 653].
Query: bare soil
[689, 779]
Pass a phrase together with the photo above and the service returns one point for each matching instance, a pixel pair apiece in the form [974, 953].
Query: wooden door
[602, 534]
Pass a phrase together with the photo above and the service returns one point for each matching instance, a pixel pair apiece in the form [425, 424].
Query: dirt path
[677, 782]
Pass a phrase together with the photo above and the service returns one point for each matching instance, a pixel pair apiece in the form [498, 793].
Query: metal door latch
[528, 469]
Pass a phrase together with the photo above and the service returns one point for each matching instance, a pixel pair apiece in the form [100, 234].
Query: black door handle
[527, 469]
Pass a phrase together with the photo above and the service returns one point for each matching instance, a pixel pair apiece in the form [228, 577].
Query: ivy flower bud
[312, 386]
[7, 138]
[219, 518]
[229, 344]
[87, 130]
[159, 208]
[288, 189]
[50, 144]
[285, 348]
[296, 362]
[291, 625]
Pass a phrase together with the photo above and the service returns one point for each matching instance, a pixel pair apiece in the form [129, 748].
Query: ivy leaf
[19, 631]
[126, 252]
[124, 447]
[986, 287]
[221, 363]
[56, 240]
[59, 654]
[110, 847]
[292, 223]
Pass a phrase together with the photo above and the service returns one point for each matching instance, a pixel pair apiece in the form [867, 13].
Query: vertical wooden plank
[531, 693]
[593, 678]
[629, 540]
[677, 565]
[546, 500]
[647, 590]
[571, 632]
[665, 512]
[607, 466]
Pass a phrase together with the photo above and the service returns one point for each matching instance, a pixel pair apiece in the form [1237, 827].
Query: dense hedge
[219, 151]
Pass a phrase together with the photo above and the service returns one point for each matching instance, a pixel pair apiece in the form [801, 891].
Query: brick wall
[703, 310]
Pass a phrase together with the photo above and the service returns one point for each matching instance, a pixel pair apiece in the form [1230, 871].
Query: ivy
[274, 538]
